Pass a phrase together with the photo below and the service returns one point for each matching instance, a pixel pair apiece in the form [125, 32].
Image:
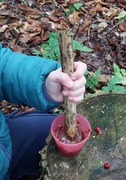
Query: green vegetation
[121, 16]
[78, 5]
[93, 80]
[118, 79]
[79, 46]
[72, 8]
[115, 84]
[50, 49]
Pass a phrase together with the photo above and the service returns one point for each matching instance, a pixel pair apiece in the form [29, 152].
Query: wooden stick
[67, 61]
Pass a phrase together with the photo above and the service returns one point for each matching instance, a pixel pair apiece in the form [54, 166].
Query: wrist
[47, 96]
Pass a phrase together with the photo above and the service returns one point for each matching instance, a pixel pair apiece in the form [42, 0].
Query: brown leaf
[25, 38]
[3, 21]
[122, 64]
[71, 2]
[103, 3]
[74, 17]
[44, 35]
[28, 9]
[3, 28]
[85, 25]
[61, 26]
[36, 39]
[58, 13]
[104, 78]
[97, 8]
[54, 19]
[122, 26]
[15, 47]
[33, 26]
[67, 2]
[7, 33]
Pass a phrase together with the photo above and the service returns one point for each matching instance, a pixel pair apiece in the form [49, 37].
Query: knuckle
[84, 66]
[84, 80]
[64, 76]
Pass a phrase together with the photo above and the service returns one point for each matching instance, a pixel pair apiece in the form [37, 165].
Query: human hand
[59, 84]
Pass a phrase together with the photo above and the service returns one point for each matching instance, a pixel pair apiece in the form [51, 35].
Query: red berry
[107, 165]
[98, 130]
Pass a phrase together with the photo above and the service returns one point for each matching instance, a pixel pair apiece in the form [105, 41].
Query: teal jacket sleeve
[5, 147]
[22, 79]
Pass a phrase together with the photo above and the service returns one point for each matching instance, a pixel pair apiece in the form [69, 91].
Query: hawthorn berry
[107, 165]
[98, 130]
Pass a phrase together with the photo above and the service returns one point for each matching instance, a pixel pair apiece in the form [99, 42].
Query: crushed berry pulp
[64, 138]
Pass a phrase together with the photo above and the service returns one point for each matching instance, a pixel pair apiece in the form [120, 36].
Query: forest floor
[98, 24]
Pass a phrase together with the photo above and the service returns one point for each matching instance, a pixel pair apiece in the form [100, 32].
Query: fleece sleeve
[22, 79]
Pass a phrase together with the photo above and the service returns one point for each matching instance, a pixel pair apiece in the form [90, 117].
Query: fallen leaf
[97, 8]
[85, 25]
[25, 38]
[3, 28]
[3, 21]
[122, 26]
[74, 17]
[102, 26]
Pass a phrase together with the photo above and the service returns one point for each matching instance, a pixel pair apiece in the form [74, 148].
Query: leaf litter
[98, 24]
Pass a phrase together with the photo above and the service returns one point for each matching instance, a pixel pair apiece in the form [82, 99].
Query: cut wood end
[66, 33]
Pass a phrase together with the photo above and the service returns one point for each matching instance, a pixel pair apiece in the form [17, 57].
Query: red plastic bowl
[71, 149]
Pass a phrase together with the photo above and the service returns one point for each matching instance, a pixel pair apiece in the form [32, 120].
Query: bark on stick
[67, 61]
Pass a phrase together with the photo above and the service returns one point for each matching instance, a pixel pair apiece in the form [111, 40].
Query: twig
[115, 26]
